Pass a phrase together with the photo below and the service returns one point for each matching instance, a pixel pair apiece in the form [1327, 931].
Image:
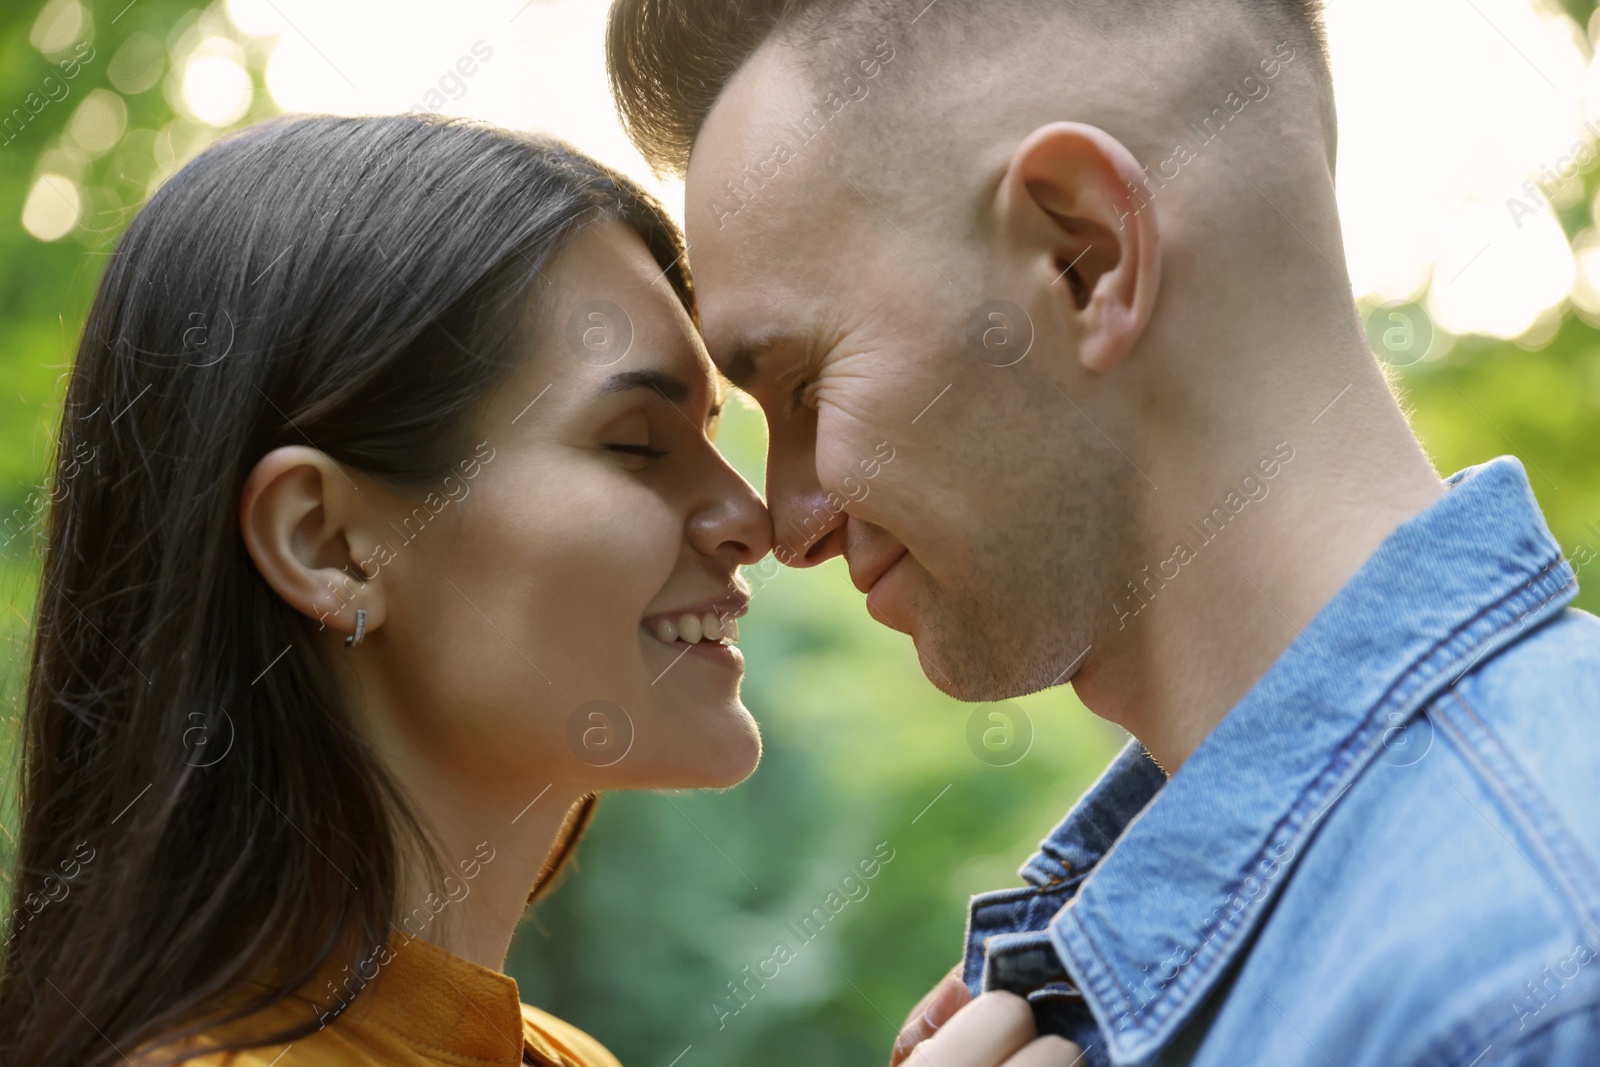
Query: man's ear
[1075, 196]
[303, 523]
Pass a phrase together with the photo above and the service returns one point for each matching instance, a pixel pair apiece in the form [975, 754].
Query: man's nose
[807, 520]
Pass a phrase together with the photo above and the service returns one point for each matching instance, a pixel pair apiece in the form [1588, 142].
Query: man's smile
[875, 561]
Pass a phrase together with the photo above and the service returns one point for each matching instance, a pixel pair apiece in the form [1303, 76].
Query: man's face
[973, 504]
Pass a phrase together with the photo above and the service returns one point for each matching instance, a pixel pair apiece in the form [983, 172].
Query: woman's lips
[721, 651]
[708, 630]
[695, 626]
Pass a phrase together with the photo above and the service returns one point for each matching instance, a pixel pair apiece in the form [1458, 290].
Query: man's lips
[866, 570]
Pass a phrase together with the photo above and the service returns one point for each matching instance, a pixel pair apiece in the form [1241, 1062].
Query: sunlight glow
[216, 87]
[526, 66]
[1454, 121]
[1445, 111]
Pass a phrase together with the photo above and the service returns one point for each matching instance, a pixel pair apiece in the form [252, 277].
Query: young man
[1078, 264]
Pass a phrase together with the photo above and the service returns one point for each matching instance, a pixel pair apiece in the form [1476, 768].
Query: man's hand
[946, 998]
[948, 1028]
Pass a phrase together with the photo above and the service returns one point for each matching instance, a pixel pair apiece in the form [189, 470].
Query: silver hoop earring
[361, 629]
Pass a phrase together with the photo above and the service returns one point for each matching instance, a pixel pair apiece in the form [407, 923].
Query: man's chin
[973, 673]
[941, 680]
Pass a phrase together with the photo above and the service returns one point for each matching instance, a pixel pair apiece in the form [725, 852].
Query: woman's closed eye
[632, 436]
[638, 450]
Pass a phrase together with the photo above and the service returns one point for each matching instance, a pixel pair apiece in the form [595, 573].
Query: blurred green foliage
[674, 896]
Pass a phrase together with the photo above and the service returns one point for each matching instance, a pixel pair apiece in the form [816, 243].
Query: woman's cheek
[603, 558]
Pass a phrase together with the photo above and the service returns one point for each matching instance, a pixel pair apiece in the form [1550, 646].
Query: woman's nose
[733, 520]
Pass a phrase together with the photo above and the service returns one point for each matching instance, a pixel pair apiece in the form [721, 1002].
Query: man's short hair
[670, 60]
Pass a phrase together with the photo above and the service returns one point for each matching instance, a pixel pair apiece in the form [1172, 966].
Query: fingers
[1048, 1051]
[932, 1011]
[927, 998]
[986, 1033]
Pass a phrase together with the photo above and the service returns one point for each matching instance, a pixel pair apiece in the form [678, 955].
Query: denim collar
[1198, 859]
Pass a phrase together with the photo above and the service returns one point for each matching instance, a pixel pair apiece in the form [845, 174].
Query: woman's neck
[490, 851]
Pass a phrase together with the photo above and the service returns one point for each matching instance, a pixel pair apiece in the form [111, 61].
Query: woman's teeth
[692, 629]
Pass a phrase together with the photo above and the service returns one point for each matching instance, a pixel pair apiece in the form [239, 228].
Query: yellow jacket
[424, 1008]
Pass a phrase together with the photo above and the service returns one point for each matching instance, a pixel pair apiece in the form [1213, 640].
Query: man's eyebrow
[676, 390]
[740, 362]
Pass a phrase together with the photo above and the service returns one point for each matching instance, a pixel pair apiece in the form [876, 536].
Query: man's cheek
[842, 445]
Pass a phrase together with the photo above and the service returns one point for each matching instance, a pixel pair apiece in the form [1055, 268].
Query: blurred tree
[675, 897]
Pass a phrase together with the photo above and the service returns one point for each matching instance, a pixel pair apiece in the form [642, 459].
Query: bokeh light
[51, 210]
[215, 88]
[1445, 110]
[137, 64]
[59, 25]
[99, 122]
[1454, 123]
[1444, 114]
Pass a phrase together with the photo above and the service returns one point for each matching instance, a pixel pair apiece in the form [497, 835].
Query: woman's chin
[719, 762]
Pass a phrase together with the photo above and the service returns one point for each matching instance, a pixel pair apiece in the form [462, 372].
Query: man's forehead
[761, 165]
[768, 90]
[773, 229]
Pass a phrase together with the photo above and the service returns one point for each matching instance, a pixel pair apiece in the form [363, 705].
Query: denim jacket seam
[1492, 625]
[1020, 894]
[1527, 808]
[1011, 894]
[1463, 1045]
[1099, 978]
[1355, 749]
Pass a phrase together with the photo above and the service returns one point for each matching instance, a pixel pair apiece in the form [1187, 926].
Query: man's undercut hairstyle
[669, 61]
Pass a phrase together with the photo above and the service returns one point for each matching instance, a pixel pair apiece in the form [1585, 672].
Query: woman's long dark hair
[198, 808]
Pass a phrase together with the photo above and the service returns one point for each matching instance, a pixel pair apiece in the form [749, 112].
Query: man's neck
[1269, 541]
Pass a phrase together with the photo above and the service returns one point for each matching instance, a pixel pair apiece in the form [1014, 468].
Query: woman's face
[539, 599]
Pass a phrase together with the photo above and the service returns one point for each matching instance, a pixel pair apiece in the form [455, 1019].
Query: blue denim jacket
[1385, 854]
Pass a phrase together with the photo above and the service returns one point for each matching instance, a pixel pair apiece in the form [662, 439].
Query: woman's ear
[303, 520]
[1076, 198]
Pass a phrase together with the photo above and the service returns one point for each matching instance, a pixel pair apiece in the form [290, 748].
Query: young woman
[389, 532]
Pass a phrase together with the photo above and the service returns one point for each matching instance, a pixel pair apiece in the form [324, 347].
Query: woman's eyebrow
[675, 390]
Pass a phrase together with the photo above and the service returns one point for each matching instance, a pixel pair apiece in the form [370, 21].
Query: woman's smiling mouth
[711, 627]
[694, 628]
